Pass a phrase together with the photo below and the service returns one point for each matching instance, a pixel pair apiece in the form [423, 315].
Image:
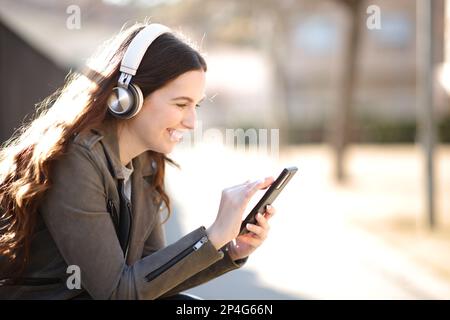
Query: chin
[164, 149]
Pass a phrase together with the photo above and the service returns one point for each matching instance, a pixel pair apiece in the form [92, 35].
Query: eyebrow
[188, 99]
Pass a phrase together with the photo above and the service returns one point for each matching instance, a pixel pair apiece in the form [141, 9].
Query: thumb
[257, 185]
[261, 184]
[266, 182]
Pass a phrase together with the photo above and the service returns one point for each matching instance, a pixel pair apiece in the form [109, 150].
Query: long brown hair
[26, 158]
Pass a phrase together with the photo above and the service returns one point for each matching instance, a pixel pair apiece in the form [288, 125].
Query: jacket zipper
[112, 211]
[30, 281]
[152, 275]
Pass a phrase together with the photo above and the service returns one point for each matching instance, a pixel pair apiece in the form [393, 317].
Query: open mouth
[175, 135]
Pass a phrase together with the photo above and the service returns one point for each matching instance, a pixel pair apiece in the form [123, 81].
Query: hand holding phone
[269, 197]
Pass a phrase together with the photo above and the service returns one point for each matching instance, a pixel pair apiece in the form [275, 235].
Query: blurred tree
[425, 114]
[340, 121]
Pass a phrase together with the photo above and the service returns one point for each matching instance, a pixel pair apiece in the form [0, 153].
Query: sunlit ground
[365, 239]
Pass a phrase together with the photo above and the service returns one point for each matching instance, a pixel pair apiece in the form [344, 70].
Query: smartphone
[269, 197]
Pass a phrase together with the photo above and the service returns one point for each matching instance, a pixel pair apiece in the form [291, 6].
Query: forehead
[190, 84]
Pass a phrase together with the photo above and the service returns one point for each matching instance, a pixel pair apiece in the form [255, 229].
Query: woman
[82, 186]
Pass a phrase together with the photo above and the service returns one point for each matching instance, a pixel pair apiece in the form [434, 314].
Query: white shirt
[127, 171]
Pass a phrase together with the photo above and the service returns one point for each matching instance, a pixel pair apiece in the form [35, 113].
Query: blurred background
[353, 93]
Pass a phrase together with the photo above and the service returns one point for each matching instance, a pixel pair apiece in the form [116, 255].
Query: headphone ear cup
[138, 98]
[120, 102]
[125, 103]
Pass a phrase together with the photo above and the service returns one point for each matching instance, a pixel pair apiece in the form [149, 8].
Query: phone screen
[269, 197]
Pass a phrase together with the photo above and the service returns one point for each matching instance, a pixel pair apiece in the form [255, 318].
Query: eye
[185, 105]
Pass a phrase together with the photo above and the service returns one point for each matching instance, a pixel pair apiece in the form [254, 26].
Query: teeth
[175, 135]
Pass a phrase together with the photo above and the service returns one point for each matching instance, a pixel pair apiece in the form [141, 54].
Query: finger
[267, 181]
[258, 185]
[262, 221]
[252, 241]
[270, 211]
[257, 230]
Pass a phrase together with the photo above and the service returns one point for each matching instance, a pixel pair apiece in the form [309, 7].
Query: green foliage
[371, 130]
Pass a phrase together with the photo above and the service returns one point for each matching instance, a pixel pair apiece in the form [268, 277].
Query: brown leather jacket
[75, 228]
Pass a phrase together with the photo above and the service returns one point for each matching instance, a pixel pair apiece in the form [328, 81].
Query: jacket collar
[109, 139]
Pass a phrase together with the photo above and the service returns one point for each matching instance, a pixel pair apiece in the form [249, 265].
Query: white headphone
[126, 99]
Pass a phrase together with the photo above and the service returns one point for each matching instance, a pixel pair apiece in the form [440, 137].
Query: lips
[175, 135]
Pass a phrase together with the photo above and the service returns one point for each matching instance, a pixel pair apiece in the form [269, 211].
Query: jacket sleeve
[74, 210]
[156, 241]
[215, 270]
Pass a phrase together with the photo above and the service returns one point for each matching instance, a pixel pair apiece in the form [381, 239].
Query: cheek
[169, 117]
[143, 126]
[152, 126]
[157, 118]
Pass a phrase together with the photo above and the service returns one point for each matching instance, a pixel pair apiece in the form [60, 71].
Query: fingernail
[248, 224]
[268, 207]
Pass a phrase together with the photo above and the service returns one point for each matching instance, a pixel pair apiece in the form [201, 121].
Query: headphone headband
[140, 43]
[126, 98]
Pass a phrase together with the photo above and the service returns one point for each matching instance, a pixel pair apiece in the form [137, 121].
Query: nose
[189, 119]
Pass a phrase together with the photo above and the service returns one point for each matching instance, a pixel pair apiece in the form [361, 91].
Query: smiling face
[165, 115]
